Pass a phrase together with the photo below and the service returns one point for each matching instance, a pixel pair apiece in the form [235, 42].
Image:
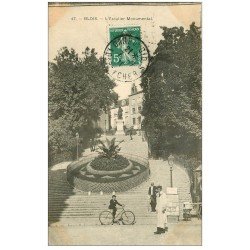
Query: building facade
[104, 121]
[131, 107]
[135, 108]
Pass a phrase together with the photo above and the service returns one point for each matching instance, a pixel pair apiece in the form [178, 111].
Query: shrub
[109, 150]
[61, 142]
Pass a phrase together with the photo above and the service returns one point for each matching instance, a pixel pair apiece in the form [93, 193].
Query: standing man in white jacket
[161, 211]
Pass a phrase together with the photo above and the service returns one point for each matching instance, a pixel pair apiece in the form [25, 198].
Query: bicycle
[125, 216]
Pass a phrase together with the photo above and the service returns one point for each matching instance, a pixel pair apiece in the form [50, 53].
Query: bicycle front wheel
[128, 217]
[106, 218]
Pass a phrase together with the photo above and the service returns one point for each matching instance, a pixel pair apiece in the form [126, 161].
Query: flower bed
[82, 176]
[109, 164]
[91, 170]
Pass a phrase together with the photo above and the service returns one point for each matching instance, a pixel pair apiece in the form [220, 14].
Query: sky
[81, 26]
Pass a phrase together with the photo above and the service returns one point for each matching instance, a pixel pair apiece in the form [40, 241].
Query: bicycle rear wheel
[128, 217]
[106, 218]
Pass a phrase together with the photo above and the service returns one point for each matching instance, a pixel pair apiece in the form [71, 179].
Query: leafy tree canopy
[172, 87]
[79, 90]
[79, 87]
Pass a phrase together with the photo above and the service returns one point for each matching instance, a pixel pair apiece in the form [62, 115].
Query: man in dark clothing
[92, 144]
[152, 193]
[131, 133]
[112, 205]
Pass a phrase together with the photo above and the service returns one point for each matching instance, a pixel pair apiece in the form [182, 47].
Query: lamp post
[171, 164]
[77, 142]
[197, 183]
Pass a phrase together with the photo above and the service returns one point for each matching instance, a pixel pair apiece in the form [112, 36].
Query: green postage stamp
[126, 54]
[125, 46]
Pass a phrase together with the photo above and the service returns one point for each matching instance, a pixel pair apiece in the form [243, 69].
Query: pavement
[73, 227]
[184, 233]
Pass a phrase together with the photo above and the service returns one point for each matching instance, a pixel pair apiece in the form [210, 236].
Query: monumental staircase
[74, 207]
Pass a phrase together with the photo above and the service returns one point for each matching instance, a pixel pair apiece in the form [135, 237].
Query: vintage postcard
[125, 120]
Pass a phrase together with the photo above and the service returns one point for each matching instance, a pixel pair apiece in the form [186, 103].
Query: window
[139, 108]
[133, 110]
[139, 120]
[133, 121]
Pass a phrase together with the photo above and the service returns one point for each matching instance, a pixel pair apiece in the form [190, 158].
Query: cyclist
[112, 205]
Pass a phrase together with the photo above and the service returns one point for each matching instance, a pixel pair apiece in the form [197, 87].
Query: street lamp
[171, 164]
[77, 141]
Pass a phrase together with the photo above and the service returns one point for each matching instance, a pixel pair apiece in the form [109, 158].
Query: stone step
[101, 197]
[68, 205]
[66, 214]
[97, 201]
[88, 215]
[101, 206]
[95, 214]
[83, 208]
[91, 215]
[89, 206]
[61, 209]
[95, 221]
[123, 201]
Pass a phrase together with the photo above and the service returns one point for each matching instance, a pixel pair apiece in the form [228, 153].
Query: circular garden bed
[109, 164]
[98, 173]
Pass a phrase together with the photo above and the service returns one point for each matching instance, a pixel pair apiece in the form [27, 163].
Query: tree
[79, 90]
[62, 143]
[172, 87]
